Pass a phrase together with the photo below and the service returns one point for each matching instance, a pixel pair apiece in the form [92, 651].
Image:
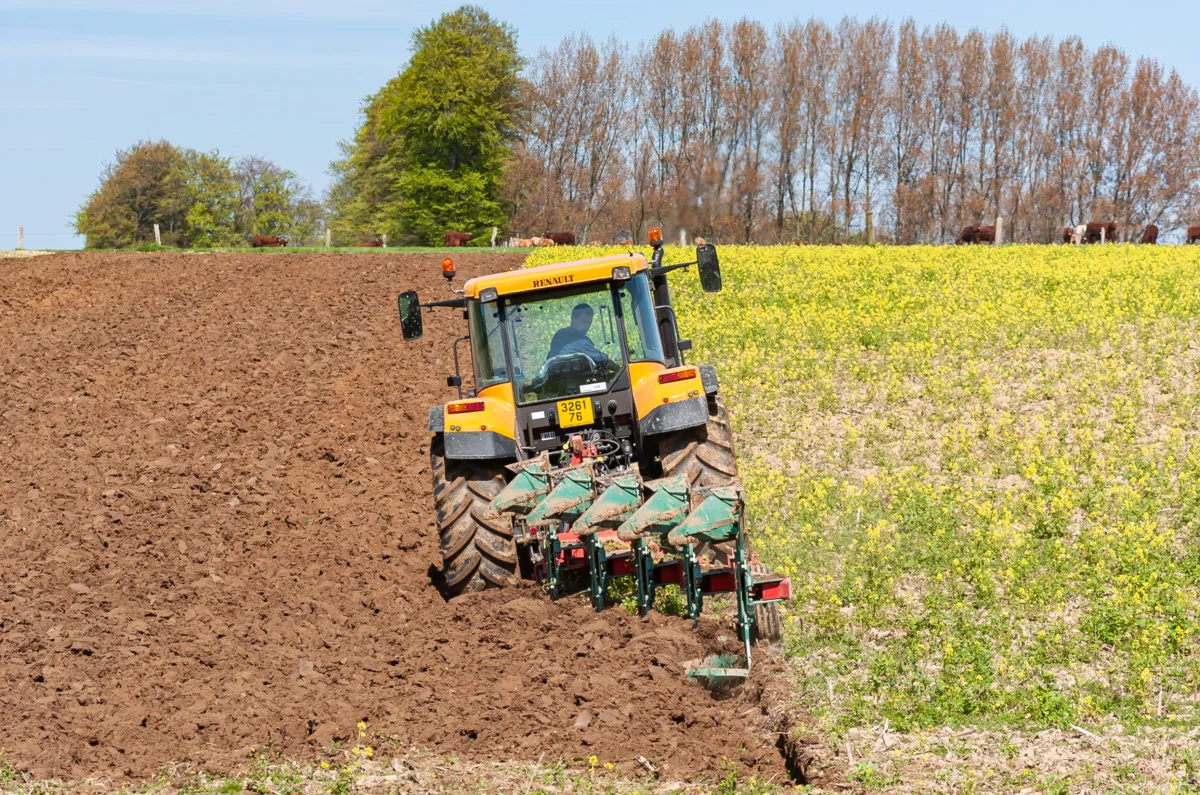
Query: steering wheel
[564, 364]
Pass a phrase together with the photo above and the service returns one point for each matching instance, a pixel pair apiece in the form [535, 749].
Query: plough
[583, 523]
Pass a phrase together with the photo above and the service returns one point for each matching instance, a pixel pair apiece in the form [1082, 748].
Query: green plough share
[532, 482]
[665, 514]
[620, 498]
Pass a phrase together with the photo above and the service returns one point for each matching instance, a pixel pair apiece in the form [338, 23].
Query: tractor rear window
[565, 345]
[486, 345]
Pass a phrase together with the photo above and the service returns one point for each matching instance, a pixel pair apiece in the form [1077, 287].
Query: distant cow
[1079, 234]
[1150, 236]
[561, 238]
[1068, 234]
[1094, 228]
[456, 239]
[626, 242]
[267, 241]
[541, 241]
[521, 242]
[977, 234]
[376, 243]
[1193, 234]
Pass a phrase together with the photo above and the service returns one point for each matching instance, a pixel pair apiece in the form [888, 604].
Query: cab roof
[559, 274]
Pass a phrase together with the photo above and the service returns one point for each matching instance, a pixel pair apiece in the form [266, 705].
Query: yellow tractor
[589, 447]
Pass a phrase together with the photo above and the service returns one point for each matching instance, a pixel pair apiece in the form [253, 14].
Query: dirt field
[215, 529]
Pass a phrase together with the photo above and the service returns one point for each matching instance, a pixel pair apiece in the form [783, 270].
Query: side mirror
[410, 314]
[709, 267]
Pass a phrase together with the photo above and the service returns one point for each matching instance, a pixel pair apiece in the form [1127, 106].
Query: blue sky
[80, 79]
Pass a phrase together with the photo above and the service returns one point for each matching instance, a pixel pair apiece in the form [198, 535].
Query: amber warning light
[655, 234]
[448, 268]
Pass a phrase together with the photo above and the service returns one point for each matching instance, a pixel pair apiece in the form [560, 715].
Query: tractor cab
[569, 348]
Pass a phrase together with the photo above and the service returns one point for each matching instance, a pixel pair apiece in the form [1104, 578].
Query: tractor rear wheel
[703, 455]
[477, 544]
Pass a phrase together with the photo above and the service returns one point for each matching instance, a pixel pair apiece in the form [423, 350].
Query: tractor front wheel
[477, 544]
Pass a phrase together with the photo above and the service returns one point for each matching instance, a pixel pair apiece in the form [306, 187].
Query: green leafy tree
[191, 196]
[274, 201]
[308, 222]
[207, 193]
[434, 140]
[137, 190]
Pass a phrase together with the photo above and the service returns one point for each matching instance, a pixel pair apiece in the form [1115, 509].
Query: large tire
[703, 455]
[478, 550]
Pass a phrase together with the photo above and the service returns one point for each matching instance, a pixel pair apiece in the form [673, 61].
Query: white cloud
[96, 48]
[305, 9]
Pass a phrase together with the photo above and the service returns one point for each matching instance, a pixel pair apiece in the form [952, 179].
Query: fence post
[20, 238]
[385, 239]
[682, 237]
[1102, 230]
[999, 230]
[870, 229]
[328, 237]
[494, 230]
[157, 236]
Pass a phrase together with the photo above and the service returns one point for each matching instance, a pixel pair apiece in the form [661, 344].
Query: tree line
[734, 132]
[742, 133]
[197, 199]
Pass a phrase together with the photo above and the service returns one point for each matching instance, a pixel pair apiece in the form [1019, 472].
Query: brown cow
[968, 235]
[986, 234]
[267, 241]
[626, 242]
[561, 238]
[1092, 233]
[1068, 233]
[1193, 234]
[457, 239]
[1150, 236]
[376, 243]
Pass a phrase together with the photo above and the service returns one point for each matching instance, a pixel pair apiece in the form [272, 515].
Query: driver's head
[581, 318]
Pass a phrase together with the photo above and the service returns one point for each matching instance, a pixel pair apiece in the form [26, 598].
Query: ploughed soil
[216, 532]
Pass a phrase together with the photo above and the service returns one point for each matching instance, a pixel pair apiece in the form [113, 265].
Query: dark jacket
[572, 340]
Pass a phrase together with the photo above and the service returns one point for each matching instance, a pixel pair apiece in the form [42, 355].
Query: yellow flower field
[979, 466]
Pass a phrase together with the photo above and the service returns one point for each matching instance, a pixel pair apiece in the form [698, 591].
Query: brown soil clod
[216, 529]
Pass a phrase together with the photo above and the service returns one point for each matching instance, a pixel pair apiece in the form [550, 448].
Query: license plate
[576, 411]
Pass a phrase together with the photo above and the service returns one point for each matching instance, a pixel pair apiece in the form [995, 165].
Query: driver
[574, 338]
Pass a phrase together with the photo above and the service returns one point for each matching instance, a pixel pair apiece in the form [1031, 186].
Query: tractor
[589, 448]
